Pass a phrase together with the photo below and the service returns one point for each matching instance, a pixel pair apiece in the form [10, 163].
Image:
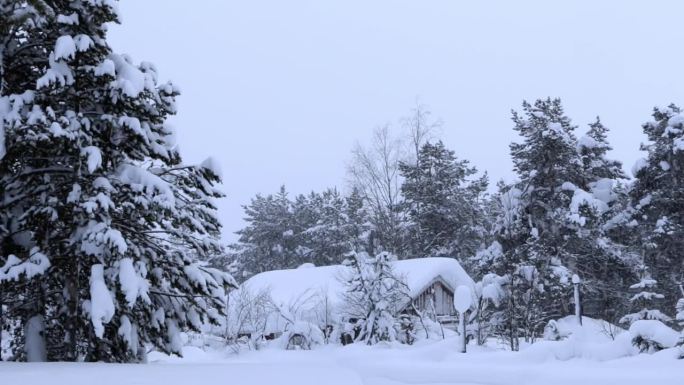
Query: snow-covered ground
[433, 362]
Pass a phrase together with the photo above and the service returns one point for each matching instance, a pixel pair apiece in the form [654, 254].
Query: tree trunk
[578, 305]
[34, 333]
[464, 338]
[2, 316]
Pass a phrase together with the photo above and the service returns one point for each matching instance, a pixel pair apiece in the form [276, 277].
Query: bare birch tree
[374, 171]
[420, 128]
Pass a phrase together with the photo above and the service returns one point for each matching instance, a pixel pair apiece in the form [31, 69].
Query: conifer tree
[319, 228]
[593, 149]
[358, 224]
[104, 221]
[603, 261]
[268, 241]
[657, 197]
[547, 165]
[328, 239]
[444, 206]
[553, 222]
[644, 299]
[19, 69]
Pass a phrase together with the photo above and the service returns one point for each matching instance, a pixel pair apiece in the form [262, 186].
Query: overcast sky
[279, 91]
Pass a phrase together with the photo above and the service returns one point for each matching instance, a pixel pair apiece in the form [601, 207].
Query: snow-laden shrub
[406, 330]
[651, 336]
[490, 293]
[562, 328]
[301, 335]
[679, 317]
[372, 292]
[249, 313]
[551, 332]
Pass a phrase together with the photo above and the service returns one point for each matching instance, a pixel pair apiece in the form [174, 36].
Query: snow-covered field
[428, 363]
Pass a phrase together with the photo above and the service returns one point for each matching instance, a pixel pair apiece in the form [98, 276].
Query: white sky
[278, 91]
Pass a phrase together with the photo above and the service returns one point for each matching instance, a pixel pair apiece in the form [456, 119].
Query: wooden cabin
[315, 294]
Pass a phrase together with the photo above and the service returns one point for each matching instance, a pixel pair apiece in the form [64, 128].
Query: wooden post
[578, 299]
[462, 302]
[461, 321]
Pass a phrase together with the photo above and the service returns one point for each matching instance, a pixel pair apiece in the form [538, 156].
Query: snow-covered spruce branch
[174, 295]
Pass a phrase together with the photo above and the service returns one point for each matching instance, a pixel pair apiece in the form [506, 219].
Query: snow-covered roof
[287, 287]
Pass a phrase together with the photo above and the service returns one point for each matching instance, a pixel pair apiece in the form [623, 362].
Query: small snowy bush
[651, 336]
[551, 332]
[372, 290]
[679, 318]
[247, 318]
[406, 333]
[302, 335]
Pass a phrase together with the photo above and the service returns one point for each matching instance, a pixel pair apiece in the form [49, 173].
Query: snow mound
[654, 331]
[311, 333]
[591, 327]
[593, 340]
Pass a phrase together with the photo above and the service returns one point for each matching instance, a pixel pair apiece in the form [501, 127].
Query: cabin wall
[437, 298]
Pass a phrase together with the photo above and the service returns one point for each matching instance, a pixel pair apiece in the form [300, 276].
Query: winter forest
[416, 267]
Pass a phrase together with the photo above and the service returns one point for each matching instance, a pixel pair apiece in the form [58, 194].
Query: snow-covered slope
[428, 363]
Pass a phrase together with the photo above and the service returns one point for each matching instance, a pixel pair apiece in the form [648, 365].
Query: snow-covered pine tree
[319, 228]
[534, 227]
[643, 300]
[549, 222]
[18, 73]
[96, 198]
[372, 292]
[657, 199]
[501, 258]
[490, 293]
[593, 149]
[327, 239]
[306, 214]
[358, 225]
[602, 261]
[268, 240]
[443, 204]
